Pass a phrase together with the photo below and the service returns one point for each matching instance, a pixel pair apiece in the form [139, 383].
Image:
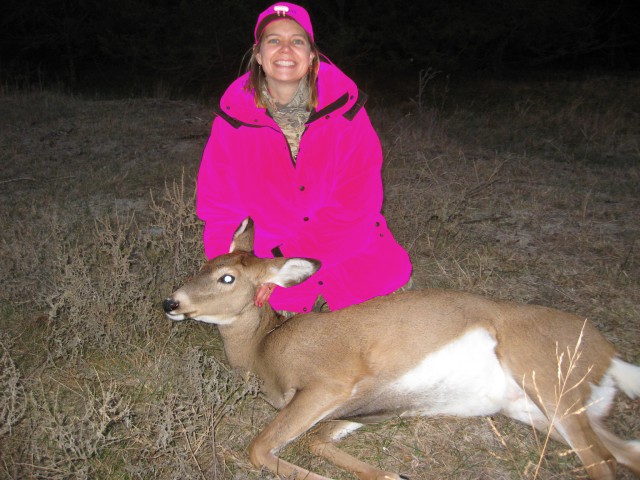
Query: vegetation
[527, 191]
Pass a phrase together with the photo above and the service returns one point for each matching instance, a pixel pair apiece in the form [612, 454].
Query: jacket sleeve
[218, 201]
[347, 220]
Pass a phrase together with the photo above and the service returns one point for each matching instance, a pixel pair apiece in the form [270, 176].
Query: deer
[414, 353]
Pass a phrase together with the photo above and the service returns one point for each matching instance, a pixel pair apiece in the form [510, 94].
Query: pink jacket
[326, 206]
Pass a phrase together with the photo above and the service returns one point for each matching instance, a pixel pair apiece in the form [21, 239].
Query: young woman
[293, 148]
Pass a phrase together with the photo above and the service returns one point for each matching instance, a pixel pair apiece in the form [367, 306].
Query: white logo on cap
[281, 9]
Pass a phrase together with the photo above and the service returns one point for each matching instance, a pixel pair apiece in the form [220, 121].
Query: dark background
[197, 46]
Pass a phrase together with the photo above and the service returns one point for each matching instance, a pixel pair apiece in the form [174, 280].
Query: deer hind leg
[626, 452]
[520, 407]
[323, 443]
[598, 461]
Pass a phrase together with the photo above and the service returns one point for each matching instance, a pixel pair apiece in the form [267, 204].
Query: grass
[527, 191]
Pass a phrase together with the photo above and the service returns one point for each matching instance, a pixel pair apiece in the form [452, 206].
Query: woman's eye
[227, 279]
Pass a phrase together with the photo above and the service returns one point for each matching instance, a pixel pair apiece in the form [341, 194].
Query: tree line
[203, 41]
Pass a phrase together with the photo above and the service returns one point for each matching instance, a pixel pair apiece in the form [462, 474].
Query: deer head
[226, 285]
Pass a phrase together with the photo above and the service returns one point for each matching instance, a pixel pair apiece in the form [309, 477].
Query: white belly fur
[464, 378]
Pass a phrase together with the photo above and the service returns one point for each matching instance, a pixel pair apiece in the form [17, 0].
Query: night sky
[202, 42]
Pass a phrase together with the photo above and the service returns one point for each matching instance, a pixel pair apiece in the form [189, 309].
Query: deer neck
[242, 338]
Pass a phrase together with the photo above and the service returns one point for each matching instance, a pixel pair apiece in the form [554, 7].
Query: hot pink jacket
[325, 206]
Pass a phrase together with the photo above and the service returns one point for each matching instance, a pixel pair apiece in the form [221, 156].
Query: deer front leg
[323, 444]
[305, 409]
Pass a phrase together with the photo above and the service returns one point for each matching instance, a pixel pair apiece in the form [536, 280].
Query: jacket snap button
[301, 188]
[306, 219]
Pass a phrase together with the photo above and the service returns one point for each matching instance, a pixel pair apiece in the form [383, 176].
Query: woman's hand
[263, 293]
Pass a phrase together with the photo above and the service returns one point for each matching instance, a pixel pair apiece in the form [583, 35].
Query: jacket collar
[337, 94]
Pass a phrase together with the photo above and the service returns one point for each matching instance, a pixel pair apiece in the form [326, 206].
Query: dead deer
[414, 353]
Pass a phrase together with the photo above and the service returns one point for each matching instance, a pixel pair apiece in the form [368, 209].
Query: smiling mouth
[285, 63]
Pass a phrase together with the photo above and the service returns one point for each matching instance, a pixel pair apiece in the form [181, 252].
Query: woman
[293, 148]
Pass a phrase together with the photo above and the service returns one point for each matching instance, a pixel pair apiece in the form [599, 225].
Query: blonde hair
[257, 79]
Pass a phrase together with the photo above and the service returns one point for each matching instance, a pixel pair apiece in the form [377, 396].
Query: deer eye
[227, 279]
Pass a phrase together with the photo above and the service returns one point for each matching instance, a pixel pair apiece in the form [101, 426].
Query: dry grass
[524, 191]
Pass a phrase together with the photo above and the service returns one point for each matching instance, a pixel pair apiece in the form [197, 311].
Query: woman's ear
[257, 54]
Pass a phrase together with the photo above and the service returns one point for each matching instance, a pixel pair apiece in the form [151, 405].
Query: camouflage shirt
[292, 117]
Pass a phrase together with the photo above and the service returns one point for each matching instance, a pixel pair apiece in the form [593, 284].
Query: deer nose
[170, 305]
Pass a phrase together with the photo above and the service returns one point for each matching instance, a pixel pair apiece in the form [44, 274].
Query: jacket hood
[336, 93]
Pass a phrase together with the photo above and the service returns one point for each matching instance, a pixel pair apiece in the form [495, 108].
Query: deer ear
[243, 237]
[294, 271]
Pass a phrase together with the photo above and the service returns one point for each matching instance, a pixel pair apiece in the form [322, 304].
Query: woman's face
[285, 53]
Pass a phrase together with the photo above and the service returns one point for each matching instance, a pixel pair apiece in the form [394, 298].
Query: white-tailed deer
[422, 352]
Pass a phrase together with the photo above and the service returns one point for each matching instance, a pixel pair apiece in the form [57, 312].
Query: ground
[527, 191]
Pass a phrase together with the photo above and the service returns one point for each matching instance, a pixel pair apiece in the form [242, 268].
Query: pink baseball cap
[280, 11]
